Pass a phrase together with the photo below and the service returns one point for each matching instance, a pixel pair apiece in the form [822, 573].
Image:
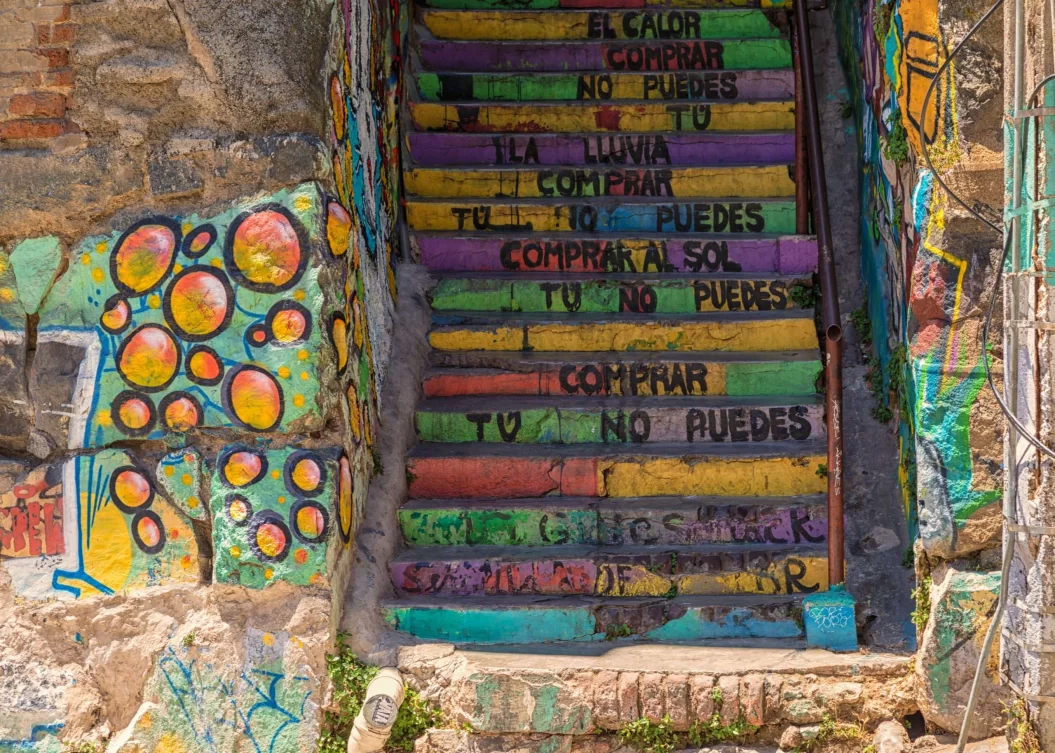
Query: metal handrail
[806, 111]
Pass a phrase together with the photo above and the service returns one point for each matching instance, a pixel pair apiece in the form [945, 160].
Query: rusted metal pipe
[802, 187]
[829, 294]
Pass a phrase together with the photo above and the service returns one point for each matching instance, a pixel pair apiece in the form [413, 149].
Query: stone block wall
[928, 265]
[197, 292]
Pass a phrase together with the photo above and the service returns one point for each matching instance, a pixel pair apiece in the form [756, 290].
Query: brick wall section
[35, 74]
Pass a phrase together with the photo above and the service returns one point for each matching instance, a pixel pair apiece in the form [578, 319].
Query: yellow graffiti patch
[783, 576]
[747, 477]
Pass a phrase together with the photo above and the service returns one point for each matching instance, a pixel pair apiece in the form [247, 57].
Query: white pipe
[373, 725]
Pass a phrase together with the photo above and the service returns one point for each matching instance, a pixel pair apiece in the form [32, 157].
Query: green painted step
[621, 374]
[535, 420]
[620, 293]
[525, 620]
[544, 521]
[615, 572]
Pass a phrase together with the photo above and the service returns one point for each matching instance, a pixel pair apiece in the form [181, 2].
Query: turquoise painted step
[583, 520]
[605, 375]
[703, 420]
[621, 293]
[523, 620]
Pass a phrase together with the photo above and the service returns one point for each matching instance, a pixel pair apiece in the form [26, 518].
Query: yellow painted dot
[305, 376]
[7, 295]
[282, 500]
[302, 203]
[269, 574]
[186, 227]
[193, 503]
[284, 372]
[276, 474]
[236, 552]
[302, 355]
[177, 268]
[169, 470]
[100, 248]
[297, 642]
[102, 417]
[86, 259]
[298, 400]
[187, 479]
[316, 580]
[98, 275]
[216, 263]
[154, 301]
[298, 295]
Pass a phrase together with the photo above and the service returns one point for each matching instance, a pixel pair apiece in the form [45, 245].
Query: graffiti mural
[185, 323]
[364, 89]
[93, 525]
[274, 512]
[924, 327]
[268, 705]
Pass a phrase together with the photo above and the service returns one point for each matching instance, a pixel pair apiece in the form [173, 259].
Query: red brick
[57, 57]
[62, 34]
[38, 105]
[57, 78]
[31, 129]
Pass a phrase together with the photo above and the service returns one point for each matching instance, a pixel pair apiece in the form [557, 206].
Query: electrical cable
[1008, 552]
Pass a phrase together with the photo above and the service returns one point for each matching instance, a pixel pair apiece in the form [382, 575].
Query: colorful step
[623, 294]
[501, 471]
[522, 620]
[598, 149]
[726, 332]
[534, 420]
[682, 85]
[579, 183]
[615, 572]
[587, 375]
[646, 56]
[773, 216]
[645, 26]
[597, 4]
[678, 521]
[626, 117]
[790, 255]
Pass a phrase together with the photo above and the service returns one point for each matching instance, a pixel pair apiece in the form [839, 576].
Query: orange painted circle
[117, 316]
[344, 499]
[149, 531]
[306, 475]
[199, 303]
[266, 250]
[238, 510]
[288, 325]
[310, 522]
[271, 540]
[204, 366]
[338, 228]
[339, 332]
[143, 257]
[134, 413]
[131, 489]
[243, 468]
[149, 358]
[182, 414]
[254, 398]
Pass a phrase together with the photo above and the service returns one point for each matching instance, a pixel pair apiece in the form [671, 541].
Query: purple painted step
[661, 149]
[786, 255]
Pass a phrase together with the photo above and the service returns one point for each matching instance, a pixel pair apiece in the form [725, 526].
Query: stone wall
[928, 265]
[197, 293]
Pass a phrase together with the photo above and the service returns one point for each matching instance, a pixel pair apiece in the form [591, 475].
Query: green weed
[921, 595]
[660, 737]
[188, 640]
[895, 145]
[862, 325]
[804, 296]
[1020, 732]
[350, 678]
[829, 731]
[881, 20]
[822, 470]
[615, 632]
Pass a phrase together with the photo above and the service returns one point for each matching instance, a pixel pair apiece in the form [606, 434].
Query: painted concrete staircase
[621, 435]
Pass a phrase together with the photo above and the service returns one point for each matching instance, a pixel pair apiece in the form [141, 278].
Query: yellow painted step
[746, 182]
[627, 118]
[785, 333]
